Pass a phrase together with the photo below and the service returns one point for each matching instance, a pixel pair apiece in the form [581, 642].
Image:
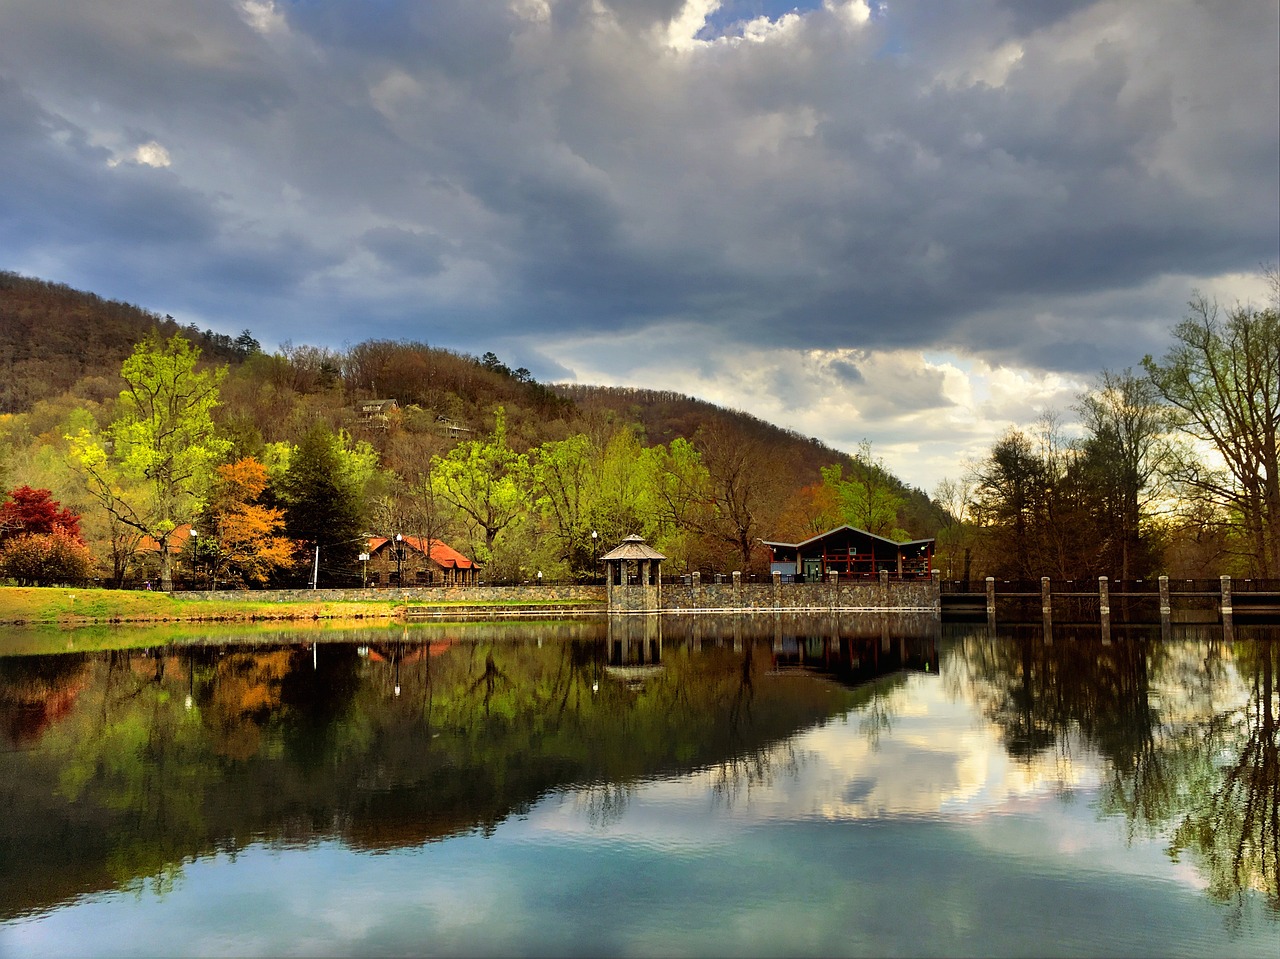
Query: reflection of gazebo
[633, 553]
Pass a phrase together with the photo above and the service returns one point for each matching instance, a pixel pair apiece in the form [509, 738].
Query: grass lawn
[60, 605]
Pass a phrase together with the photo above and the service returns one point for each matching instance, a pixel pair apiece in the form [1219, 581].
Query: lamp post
[595, 558]
[194, 557]
[399, 561]
[364, 570]
[539, 577]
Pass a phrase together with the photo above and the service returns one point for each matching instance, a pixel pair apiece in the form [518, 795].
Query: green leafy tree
[684, 502]
[1222, 378]
[486, 480]
[868, 498]
[163, 445]
[625, 502]
[565, 483]
[320, 489]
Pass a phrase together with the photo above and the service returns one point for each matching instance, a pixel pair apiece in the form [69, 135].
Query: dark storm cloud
[990, 177]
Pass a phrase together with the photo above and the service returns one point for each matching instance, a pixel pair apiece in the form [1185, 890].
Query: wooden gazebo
[633, 553]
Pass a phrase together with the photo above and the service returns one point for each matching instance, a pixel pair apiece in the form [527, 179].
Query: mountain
[53, 337]
[58, 342]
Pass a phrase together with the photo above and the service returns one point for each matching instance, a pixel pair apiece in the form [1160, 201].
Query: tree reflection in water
[1184, 758]
[125, 765]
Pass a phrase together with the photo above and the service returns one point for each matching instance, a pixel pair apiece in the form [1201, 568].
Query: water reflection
[1189, 732]
[122, 768]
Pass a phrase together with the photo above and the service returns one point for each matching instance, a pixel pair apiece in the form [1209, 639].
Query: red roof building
[416, 561]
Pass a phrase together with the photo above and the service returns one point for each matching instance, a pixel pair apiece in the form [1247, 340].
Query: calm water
[767, 786]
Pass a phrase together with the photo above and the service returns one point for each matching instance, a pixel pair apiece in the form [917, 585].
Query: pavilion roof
[633, 547]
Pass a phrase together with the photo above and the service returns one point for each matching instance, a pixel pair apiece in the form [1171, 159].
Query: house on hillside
[452, 429]
[851, 553]
[415, 561]
[376, 414]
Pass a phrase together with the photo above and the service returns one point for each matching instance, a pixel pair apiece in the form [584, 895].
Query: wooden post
[1104, 607]
[1166, 611]
[737, 589]
[834, 578]
[936, 576]
[1227, 613]
[991, 602]
[777, 589]
[1046, 607]
[884, 588]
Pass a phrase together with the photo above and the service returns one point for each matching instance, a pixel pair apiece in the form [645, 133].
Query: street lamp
[194, 557]
[399, 561]
[595, 559]
[539, 577]
[364, 570]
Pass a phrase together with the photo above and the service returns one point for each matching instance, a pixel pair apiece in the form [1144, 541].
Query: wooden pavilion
[852, 553]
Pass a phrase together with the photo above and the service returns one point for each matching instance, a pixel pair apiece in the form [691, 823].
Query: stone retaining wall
[735, 595]
[924, 594]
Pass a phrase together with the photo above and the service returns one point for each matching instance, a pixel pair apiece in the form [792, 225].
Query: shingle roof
[633, 547]
[441, 552]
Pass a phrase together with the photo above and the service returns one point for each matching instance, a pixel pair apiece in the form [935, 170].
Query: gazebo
[648, 573]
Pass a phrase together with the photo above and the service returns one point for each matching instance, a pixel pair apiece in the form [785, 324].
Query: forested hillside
[54, 339]
[281, 452]
[270, 456]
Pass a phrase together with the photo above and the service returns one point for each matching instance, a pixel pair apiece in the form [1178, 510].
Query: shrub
[43, 559]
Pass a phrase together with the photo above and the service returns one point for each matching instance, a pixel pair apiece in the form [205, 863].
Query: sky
[915, 223]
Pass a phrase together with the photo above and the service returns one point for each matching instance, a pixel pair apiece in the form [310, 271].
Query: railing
[1102, 599]
[1116, 587]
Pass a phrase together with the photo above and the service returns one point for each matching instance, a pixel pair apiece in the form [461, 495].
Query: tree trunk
[166, 565]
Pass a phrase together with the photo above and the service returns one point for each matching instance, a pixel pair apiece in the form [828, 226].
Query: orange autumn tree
[243, 543]
[813, 509]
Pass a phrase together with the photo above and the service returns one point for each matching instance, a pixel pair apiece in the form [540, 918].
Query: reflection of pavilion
[853, 648]
[635, 646]
[854, 660]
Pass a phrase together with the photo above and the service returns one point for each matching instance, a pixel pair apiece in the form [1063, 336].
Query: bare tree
[1222, 376]
[1126, 448]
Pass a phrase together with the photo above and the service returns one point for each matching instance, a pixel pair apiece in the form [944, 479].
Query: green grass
[22, 605]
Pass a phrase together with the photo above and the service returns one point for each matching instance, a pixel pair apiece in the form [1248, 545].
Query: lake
[770, 785]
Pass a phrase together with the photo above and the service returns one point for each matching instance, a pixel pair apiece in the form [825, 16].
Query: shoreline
[71, 607]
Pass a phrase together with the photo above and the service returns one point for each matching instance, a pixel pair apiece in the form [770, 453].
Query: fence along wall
[923, 595]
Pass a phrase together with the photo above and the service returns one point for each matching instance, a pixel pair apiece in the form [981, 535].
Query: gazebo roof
[633, 547]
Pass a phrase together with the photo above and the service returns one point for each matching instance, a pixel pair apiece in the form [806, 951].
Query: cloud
[1033, 187]
[150, 153]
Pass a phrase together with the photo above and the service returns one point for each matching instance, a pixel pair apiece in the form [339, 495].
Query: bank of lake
[71, 607]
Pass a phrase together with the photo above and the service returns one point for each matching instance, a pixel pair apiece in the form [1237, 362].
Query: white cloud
[150, 154]
[682, 32]
[263, 16]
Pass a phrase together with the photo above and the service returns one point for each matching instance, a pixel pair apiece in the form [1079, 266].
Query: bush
[43, 559]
